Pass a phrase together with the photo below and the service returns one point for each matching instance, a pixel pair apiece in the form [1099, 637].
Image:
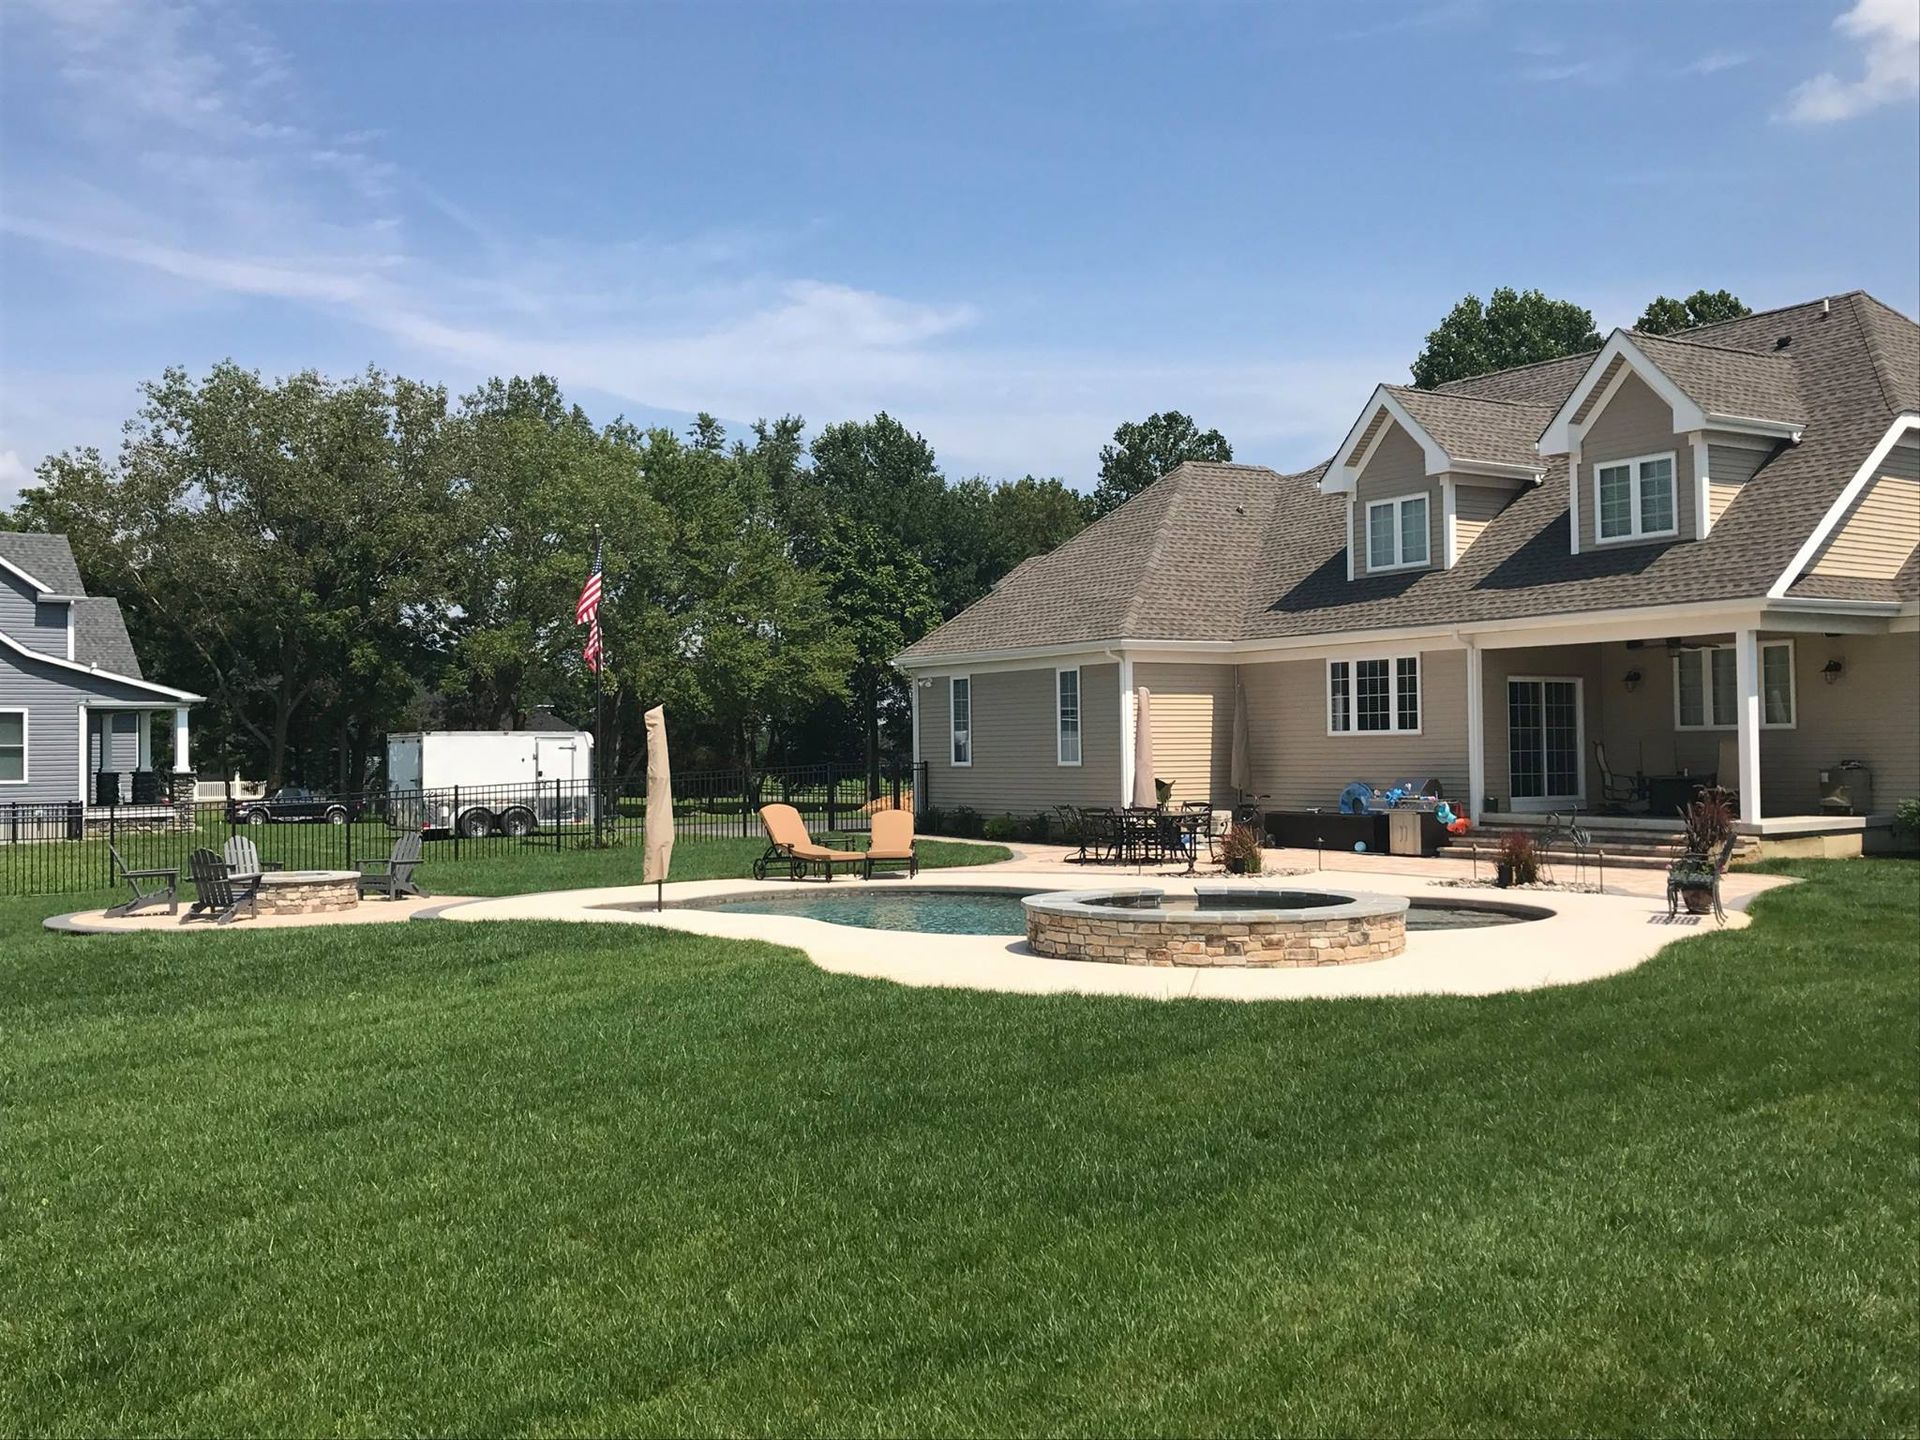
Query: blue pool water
[975, 912]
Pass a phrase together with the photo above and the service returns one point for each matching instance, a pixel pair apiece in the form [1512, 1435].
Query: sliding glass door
[1545, 743]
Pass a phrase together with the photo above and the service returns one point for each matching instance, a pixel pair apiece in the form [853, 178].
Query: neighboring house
[78, 722]
[1691, 555]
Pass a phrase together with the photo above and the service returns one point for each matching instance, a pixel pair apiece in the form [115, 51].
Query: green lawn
[577, 1179]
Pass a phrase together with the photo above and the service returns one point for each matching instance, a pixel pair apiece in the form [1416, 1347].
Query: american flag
[587, 613]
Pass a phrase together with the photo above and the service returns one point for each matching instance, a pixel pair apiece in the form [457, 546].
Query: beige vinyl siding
[1192, 713]
[1636, 422]
[1881, 528]
[1297, 765]
[1728, 468]
[1868, 714]
[1016, 765]
[1397, 467]
[1473, 507]
[1719, 496]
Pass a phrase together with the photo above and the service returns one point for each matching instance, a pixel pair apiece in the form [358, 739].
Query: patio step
[1631, 849]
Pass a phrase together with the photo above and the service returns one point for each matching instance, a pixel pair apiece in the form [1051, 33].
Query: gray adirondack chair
[165, 893]
[243, 859]
[220, 894]
[392, 876]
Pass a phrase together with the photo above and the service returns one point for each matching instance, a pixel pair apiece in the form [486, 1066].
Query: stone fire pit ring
[1243, 926]
[308, 892]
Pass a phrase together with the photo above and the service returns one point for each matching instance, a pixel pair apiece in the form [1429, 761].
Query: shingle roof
[1725, 381]
[1240, 552]
[1472, 427]
[99, 629]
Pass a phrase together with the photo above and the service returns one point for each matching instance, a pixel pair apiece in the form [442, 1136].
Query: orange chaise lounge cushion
[787, 830]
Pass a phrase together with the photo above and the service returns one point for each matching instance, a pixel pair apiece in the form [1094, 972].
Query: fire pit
[308, 892]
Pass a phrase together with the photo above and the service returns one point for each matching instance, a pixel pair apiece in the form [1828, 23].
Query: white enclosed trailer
[484, 782]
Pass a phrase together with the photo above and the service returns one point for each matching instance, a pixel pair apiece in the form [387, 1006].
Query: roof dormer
[1659, 435]
[1424, 471]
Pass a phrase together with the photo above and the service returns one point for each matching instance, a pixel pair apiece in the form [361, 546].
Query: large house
[79, 724]
[1589, 583]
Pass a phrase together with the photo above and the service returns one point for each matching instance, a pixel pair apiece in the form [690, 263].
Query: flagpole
[600, 714]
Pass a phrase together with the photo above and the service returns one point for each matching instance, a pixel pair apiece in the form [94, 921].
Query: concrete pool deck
[1586, 938]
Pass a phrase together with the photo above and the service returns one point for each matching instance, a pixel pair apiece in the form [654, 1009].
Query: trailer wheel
[517, 822]
[476, 824]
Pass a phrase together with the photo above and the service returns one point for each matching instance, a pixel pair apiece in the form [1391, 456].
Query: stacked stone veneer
[323, 893]
[1284, 939]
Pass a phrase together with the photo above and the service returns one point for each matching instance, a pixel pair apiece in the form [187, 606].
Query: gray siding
[1298, 765]
[1397, 467]
[1635, 422]
[1016, 767]
[38, 626]
[52, 696]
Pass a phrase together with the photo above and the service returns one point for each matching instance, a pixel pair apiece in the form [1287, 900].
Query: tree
[1667, 316]
[1142, 452]
[1514, 328]
[991, 528]
[278, 546]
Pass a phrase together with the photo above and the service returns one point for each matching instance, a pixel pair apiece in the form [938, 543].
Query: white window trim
[1633, 464]
[1706, 690]
[953, 732]
[1393, 697]
[1397, 503]
[26, 743]
[1079, 719]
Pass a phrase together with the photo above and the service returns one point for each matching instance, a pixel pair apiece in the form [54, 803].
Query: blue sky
[1012, 226]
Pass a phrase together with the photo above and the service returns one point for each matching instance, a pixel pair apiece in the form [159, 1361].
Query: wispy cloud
[1714, 61]
[1888, 35]
[198, 162]
[1401, 18]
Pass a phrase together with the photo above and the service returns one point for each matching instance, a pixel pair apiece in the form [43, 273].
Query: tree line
[332, 560]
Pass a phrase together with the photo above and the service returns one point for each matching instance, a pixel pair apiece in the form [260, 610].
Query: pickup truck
[293, 803]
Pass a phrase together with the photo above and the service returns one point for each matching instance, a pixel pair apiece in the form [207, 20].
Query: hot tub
[1244, 926]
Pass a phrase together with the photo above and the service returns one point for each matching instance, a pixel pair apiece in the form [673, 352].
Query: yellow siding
[1192, 728]
[1298, 765]
[1878, 533]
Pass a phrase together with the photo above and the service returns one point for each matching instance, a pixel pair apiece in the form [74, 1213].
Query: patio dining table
[1153, 836]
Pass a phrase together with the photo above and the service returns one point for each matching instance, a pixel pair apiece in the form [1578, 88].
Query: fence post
[556, 816]
[453, 819]
[833, 797]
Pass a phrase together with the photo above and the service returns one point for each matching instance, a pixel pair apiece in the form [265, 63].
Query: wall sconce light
[1833, 670]
[1632, 679]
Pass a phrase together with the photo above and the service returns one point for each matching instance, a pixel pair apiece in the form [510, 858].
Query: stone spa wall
[1364, 927]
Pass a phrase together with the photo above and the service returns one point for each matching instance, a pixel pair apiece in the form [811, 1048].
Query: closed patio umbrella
[1240, 773]
[1143, 791]
[659, 833]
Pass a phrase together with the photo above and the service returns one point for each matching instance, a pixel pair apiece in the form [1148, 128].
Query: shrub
[1906, 820]
[1241, 843]
[964, 822]
[932, 821]
[1519, 853]
[1037, 828]
[1709, 821]
[1001, 827]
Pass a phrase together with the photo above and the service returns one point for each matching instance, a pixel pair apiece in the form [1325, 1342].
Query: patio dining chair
[1622, 790]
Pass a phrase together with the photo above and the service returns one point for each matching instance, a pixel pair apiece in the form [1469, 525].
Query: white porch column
[1746, 655]
[181, 763]
[1476, 735]
[1126, 731]
[143, 741]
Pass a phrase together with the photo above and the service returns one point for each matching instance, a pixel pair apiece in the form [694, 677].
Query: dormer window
[1634, 499]
[1397, 533]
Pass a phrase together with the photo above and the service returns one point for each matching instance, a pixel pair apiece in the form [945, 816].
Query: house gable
[1632, 425]
[38, 623]
[1879, 532]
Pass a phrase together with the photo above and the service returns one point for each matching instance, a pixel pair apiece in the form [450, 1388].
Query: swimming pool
[999, 912]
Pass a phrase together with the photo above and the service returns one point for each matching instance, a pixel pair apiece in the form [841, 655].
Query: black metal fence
[70, 847]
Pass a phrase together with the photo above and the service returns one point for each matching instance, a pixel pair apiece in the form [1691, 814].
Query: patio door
[1546, 741]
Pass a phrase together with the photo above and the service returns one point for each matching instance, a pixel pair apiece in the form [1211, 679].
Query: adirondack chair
[166, 893]
[243, 859]
[393, 875]
[220, 894]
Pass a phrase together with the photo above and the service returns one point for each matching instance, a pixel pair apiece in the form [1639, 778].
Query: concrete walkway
[1587, 937]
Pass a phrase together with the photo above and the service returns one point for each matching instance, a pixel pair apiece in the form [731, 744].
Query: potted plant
[1517, 861]
[1163, 792]
[1240, 850]
[1709, 824]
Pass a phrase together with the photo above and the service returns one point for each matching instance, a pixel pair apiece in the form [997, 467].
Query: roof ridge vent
[1826, 308]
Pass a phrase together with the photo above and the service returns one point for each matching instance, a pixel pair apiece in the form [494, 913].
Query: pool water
[976, 912]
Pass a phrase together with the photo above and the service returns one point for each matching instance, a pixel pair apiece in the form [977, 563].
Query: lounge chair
[789, 844]
[220, 894]
[243, 859]
[393, 876]
[890, 842]
[166, 893]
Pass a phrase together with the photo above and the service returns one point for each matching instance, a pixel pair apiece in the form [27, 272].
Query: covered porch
[134, 753]
[1810, 723]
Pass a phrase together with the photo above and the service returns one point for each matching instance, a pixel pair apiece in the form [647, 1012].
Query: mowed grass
[572, 1179]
